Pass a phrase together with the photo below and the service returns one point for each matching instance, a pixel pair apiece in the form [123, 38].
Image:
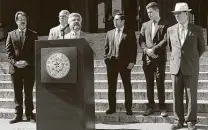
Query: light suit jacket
[55, 33]
[185, 57]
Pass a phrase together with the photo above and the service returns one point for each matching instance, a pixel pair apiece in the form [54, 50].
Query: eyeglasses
[178, 13]
[63, 16]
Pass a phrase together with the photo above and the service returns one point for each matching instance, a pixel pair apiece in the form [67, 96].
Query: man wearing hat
[187, 45]
[153, 42]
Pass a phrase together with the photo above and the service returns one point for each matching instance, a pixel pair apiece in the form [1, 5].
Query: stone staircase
[139, 94]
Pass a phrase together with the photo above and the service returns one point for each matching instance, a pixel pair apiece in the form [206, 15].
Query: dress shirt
[183, 30]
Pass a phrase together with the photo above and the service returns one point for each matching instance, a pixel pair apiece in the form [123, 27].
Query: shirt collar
[185, 25]
[121, 29]
[24, 30]
[156, 21]
[78, 32]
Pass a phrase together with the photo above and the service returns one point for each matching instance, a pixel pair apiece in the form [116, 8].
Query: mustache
[76, 24]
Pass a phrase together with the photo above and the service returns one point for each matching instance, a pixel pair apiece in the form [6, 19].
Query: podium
[64, 85]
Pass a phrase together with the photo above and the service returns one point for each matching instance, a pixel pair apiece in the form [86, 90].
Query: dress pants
[190, 84]
[23, 78]
[156, 69]
[113, 68]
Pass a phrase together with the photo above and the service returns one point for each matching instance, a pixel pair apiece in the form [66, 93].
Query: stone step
[141, 84]
[9, 93]
[141, 76]
[121, 117]
[140, 105]
[141, 94]
[138, 68]
[202, 61]
[102, 84]
[137, 117]
[134, 76]
[137, 94]
[102, 104]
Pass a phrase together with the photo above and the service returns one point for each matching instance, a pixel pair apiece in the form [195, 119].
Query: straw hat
[180, 7]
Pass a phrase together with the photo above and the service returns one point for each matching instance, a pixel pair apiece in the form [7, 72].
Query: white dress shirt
[118, 43]
[183, 30]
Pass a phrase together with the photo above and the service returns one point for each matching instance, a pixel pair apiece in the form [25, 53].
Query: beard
[76, 26]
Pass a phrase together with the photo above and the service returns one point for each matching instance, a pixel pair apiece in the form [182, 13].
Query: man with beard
[20, 46]
[59, 31]
[75, 25]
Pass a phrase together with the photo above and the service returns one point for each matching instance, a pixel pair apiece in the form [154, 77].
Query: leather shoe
[129, 112]
[148, 112]
[191, 126]
[110, 111]
[31, 118]
[16, 119]
[176, 126]
[163, 113]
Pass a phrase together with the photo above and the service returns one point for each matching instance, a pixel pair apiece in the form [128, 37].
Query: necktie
[153, 28]
[182, 35]
[22, 38]
[117, 43]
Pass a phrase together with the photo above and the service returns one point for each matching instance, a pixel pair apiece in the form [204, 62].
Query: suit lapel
[149, 30]
[17, 38]
[188, 33]
[175, 32]
[157, 28]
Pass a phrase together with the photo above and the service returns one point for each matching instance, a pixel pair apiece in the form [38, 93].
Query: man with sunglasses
[61, 30]
[187, 44]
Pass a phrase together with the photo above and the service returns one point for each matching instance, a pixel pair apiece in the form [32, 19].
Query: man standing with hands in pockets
[120, 56]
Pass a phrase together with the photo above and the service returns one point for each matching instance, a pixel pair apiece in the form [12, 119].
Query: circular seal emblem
[57, 65]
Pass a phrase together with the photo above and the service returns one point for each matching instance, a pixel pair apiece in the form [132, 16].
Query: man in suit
[20, 46]
[153, 43]
[61, 30]
[75, 25]
[187, 45]
[120, 56]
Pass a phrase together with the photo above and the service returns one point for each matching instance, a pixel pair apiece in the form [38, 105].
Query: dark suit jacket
[127, 48]
[158, 44]
[187, 56]
[25, 52]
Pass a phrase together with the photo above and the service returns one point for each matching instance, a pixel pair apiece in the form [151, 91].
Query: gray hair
[20, 13]
[75, 15]
[65, 12]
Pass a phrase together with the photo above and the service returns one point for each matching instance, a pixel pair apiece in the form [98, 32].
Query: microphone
[64, 28]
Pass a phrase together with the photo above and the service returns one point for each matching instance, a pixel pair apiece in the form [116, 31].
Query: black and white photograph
[103, 64]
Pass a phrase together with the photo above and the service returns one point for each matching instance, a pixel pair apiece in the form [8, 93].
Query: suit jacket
[158, 44]
[186, 57]
[16, 51]
[55, 33]
[127, 48]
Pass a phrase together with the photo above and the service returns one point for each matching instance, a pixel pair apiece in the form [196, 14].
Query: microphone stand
[62, 33]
